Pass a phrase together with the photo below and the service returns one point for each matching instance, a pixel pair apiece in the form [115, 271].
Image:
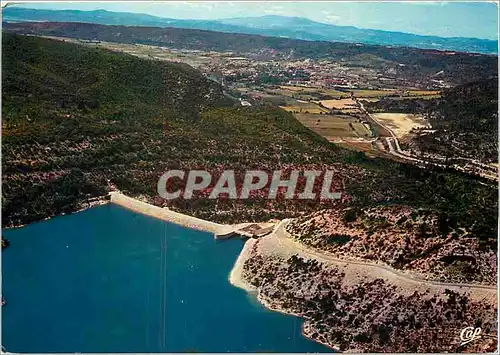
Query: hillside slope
[74, 117]
[79, 120]
[76, 120]
[466, 118]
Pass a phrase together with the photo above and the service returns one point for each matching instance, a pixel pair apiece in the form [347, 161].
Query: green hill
[467, 121]
[74, 118]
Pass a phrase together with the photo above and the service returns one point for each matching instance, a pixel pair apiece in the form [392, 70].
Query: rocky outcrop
[362, 314]
[417, 241]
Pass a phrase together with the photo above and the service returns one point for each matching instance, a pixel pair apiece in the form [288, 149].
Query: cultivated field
[400, 123]
[333, 127]
[339, 104]
[362, 129]
[422, 94]
[300, 106]
[370, 99]
[372, 93]
[307, 93]
[377, 94]
[302, 89]
[336, 93]
[301, 109]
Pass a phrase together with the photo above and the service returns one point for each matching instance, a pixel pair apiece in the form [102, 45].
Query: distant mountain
[272, 21]
[301, 28]
[272, 25]
[103, 17]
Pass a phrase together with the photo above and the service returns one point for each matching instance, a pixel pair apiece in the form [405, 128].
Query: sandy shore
[236, 276]
[168, 215]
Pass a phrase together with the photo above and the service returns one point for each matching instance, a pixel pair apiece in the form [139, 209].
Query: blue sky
[446, 19]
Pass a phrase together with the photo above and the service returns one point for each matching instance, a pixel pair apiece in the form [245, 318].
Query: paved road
[392, 142]
[285, 240]
[396, 150]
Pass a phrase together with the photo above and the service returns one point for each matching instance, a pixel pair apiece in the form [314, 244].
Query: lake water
[110, 280]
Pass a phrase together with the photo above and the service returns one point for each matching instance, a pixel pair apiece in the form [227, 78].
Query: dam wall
[167, 215]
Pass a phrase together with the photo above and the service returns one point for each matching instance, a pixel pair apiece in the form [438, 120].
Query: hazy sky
[447, 19]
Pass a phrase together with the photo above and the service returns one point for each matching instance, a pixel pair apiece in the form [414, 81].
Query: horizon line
[19, 5]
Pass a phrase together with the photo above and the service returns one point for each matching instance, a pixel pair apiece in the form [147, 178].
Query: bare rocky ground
[411, 240]
[351, 310]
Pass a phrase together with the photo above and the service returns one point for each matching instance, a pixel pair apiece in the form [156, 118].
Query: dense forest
[78, 120]
[410, 63]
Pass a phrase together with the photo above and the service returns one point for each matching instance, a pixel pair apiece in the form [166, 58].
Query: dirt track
[281, 238]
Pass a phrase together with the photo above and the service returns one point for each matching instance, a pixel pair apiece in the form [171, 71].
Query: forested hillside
[74, 117]
[77, 120]
[466, 118]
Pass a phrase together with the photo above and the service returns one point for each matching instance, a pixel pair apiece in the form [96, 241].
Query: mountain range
[270, 25]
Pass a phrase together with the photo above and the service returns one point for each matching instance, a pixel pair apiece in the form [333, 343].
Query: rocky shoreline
[97, 201]
[237, 279]
[351, 311]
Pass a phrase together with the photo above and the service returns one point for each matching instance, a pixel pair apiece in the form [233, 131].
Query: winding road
[392, 141]
[285, 240]
[396, 150]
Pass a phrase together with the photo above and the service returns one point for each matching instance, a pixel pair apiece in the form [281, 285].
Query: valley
[96, 113]
[327, 97]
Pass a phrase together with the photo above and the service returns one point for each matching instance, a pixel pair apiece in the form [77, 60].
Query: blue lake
[110, 280]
